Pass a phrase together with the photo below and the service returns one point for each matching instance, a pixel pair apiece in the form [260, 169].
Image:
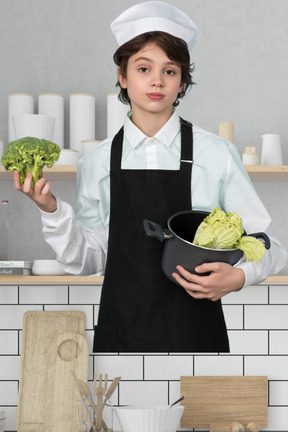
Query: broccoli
[30, 154]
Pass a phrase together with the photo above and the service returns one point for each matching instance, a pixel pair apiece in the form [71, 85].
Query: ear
[181, 87]
[121, 79]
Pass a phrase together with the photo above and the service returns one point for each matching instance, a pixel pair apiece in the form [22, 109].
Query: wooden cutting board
[216, 401]
[61, 393]
[40, 330]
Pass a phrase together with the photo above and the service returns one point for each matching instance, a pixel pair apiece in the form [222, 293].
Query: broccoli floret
[30, 154]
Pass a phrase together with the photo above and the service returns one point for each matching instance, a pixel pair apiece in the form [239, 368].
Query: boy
[155, 166]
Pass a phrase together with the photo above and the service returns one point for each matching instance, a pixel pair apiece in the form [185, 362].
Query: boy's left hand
[223, 278]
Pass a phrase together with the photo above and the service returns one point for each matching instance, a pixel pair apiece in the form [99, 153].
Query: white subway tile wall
[257, 321]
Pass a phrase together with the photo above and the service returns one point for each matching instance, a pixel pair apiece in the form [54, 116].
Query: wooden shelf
[268, 172]
[93, 280]
[51, 280]
[68, 172]
[57, 172]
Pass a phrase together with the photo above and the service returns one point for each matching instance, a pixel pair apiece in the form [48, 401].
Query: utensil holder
[87, 417]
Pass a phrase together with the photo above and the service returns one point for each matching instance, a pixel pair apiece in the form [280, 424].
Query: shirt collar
[165, 135]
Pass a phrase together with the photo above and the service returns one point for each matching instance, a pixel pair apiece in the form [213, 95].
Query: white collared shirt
[219, 179]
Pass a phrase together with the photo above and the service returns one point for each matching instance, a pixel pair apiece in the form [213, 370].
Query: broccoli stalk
[30, 154]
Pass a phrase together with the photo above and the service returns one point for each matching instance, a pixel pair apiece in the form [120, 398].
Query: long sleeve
[79, 249]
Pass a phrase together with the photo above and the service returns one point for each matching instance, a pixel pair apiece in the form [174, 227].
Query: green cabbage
[254, 249]
[220, 230]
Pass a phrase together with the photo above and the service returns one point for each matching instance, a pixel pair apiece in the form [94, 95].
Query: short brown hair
[175, 48]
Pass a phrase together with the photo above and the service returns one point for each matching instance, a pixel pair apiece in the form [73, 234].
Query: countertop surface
[93, 280]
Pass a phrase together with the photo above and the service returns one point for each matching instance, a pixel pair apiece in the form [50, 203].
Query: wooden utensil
[111, 389]
[100, 390]
[84, 400]
[87, 393]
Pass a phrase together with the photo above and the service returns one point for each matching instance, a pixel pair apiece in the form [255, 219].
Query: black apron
[141, 310]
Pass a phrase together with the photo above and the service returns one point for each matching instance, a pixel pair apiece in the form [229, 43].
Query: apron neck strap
[116, 150]
[186, 145]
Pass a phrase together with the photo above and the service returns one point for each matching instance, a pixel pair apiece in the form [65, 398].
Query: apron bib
[141, 310]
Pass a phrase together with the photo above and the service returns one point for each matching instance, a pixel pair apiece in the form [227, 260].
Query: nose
[157, 79]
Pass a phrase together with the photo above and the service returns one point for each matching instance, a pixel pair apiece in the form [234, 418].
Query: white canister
[52, 104]
[18, 103]
[86, 145]
[68, 157]
[116, 113]
[33, 125]
[82, 119]
[271, 153]
[250, 157]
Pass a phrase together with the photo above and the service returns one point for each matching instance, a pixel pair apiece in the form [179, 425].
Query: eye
[143, 69]
[170, 72]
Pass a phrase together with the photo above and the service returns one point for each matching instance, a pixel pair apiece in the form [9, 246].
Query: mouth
[155, 96]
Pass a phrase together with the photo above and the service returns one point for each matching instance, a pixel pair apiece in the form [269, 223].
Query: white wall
[66, 46]
[241, 59]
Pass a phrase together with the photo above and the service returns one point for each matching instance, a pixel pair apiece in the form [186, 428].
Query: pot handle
[262, 235]
[153, 229]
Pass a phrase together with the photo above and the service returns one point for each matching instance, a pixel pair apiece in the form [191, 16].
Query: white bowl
[68, 157]
[149, 419]
[47, 268]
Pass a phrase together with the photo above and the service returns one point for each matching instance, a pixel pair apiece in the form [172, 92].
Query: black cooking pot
[179, 249]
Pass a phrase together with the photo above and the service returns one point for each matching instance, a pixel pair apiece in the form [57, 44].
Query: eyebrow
[151, 61]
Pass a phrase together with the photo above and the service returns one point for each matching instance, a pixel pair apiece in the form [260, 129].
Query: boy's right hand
[41, 194]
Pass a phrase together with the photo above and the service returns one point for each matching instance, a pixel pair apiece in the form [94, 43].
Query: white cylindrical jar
[18, 103]
[82, 119]
[271, 153]
[250, 157]
[116, 113]
[52, 104]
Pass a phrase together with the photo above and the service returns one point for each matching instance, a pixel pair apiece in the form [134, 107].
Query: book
[9, 271]
[16, 264]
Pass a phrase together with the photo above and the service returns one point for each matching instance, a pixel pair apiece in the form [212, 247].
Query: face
[152, 81]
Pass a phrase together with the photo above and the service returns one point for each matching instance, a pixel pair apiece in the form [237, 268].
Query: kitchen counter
[51, 280]
[93, 280]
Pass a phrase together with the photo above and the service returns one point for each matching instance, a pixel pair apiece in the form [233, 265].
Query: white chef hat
[154, 16]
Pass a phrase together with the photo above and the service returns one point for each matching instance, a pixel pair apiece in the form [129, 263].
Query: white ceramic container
[149, 419]
[47, 268]
[68, 157]
[271, 153]
[52, 104]
[82, 119]
[33, 125]
[18, 103]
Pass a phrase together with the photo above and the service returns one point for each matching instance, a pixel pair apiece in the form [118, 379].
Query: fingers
[191, 283]
[27, 186]
[41, 187]
[208, 267]
[191, 277]
[17, 183]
